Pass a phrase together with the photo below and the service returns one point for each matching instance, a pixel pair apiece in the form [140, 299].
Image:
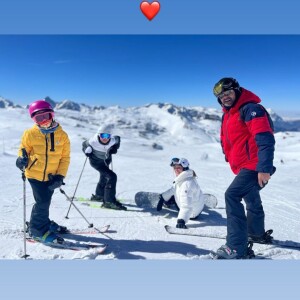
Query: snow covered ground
[138, 234]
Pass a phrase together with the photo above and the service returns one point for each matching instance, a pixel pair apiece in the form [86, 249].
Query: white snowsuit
[187, 194]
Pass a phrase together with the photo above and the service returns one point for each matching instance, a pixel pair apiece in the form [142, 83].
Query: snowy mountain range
[147, 119]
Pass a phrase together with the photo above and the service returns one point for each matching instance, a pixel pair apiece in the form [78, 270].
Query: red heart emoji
[150, 10]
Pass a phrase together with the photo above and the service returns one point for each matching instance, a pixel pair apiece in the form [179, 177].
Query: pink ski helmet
[39, 106]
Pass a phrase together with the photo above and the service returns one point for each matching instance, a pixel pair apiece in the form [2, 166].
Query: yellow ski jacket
[47, 153]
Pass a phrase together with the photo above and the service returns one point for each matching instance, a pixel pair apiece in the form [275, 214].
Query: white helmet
[180, 161]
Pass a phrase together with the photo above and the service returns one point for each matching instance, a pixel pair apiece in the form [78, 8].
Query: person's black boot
[97, 198]
[266, 238]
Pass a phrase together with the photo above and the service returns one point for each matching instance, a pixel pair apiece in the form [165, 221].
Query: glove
[113, 150]
[116, 146]
[88, 151]
[55, 181]
[118, 141]
[22, 161]
[181, 224]
[160, 203]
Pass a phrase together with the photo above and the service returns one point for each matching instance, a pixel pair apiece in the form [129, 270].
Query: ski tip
[101, 249]
[168, 228]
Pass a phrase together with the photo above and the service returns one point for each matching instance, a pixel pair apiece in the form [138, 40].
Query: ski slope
[138, 234]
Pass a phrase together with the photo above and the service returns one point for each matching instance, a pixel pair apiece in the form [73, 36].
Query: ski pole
[24, 154]
[90, 224]
[71, 200]
[76, 188]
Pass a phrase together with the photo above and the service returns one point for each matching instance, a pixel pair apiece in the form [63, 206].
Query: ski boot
[55, 228]
[266, 238]
[49, 237]
[224, 252]
[97, 198]
[114, 205]
[250, 253]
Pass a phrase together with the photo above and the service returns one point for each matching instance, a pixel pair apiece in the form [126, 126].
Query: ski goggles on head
[175, 161]
[43, 117]
[179, 161]
[222, 86]
[105, 135]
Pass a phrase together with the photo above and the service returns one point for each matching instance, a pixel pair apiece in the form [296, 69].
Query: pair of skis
[76, 246]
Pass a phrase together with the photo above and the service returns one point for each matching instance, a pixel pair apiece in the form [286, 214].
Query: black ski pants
[106, 187]
[239, 225]
[39, 219]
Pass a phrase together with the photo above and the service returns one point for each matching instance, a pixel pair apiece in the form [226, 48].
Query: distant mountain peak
[4, 103]
[68, 104]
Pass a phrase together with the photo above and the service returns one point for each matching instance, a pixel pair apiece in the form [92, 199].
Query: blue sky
[129, 70]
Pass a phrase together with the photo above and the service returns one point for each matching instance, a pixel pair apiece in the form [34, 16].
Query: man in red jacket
[248, 144]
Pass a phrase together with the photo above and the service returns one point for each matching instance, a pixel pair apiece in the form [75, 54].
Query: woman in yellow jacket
[45, 155]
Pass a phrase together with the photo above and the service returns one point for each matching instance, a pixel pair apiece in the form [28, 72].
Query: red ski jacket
[246, 135]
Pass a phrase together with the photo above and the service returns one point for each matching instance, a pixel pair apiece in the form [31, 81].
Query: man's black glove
[55, 181]
[22, 161]
[181, 224]
[160, 203]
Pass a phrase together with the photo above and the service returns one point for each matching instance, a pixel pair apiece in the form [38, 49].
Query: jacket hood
[246, 96]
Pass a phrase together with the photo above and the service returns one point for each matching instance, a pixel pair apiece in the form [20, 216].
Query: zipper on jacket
[52, 148]
[46, 160]
[32, 163]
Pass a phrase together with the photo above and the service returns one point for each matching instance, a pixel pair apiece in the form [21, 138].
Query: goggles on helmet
[105, 135]
[174, 161]
[179, 161]
[43, 117]
[223, 85]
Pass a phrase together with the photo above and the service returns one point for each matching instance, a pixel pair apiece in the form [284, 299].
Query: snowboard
[215, 235]
[149, 200]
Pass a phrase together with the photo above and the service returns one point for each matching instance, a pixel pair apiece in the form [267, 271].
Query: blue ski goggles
[105, 135]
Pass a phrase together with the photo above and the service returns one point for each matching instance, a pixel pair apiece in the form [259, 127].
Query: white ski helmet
[180, 161]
